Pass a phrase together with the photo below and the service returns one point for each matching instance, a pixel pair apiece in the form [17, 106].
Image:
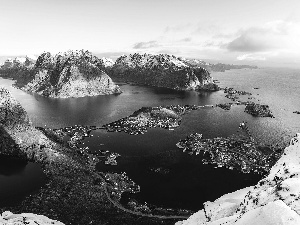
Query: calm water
[18, 178]
[185, 182]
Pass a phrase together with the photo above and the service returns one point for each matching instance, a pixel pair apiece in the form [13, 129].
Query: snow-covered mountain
[275, 200]
[107, 62]
[162, 71]
[67, 74]
[18, 62]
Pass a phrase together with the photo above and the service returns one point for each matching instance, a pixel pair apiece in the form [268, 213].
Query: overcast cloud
[145, 45]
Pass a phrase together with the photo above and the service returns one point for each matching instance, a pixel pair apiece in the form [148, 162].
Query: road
[119, 206]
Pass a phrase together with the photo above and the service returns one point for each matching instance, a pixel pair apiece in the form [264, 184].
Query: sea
[167, 176]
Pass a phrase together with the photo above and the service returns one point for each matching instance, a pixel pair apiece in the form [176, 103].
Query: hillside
[162, 71]
[64, 75]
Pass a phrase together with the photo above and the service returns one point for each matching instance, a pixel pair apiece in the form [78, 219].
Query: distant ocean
[279, 88]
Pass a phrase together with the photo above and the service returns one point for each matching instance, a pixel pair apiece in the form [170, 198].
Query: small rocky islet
[252, 108]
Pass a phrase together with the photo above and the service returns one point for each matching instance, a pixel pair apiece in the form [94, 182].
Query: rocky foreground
[162, 71]
[64, 75]
[274, 200]
[8, 218]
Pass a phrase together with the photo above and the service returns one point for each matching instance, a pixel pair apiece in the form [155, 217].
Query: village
[168, 117]
[234, 152]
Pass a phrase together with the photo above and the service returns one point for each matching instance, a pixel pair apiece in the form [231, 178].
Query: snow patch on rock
[275, 200]
[8, 218]
[107, 62]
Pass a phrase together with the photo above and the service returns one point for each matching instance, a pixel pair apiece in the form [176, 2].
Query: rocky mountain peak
[71, 74]
[62, 59]
[162, 70]
[107, 62]
[150, 61]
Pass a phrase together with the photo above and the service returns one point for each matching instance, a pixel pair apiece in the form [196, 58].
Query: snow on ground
[107, 61]
[8, 218]
[178, 63]
[20, 59]
[274, 213]
[273, 201]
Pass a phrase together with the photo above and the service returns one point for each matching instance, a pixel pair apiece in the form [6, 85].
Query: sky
[258, 32]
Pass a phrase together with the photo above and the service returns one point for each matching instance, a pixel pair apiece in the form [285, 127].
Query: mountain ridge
[162, 70]
[64, 75]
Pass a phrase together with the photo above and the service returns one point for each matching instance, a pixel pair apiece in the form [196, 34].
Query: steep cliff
[162, 71]
[69, 74]
[18, 136]
[274, 200]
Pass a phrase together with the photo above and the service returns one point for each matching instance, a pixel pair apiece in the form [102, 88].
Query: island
[167, 117]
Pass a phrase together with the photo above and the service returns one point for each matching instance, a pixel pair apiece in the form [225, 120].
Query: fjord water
[167, 176]
[18, 178]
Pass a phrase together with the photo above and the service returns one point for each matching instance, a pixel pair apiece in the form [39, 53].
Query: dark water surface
[18, 178]
[181, 181]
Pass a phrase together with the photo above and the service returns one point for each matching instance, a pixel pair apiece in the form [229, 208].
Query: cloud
[252, 40]
[178, 28]
[251, 57]
[270, 36]
[209, 28]
[144, 45]
[210, 43]
[188, 39]
[168, 51]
